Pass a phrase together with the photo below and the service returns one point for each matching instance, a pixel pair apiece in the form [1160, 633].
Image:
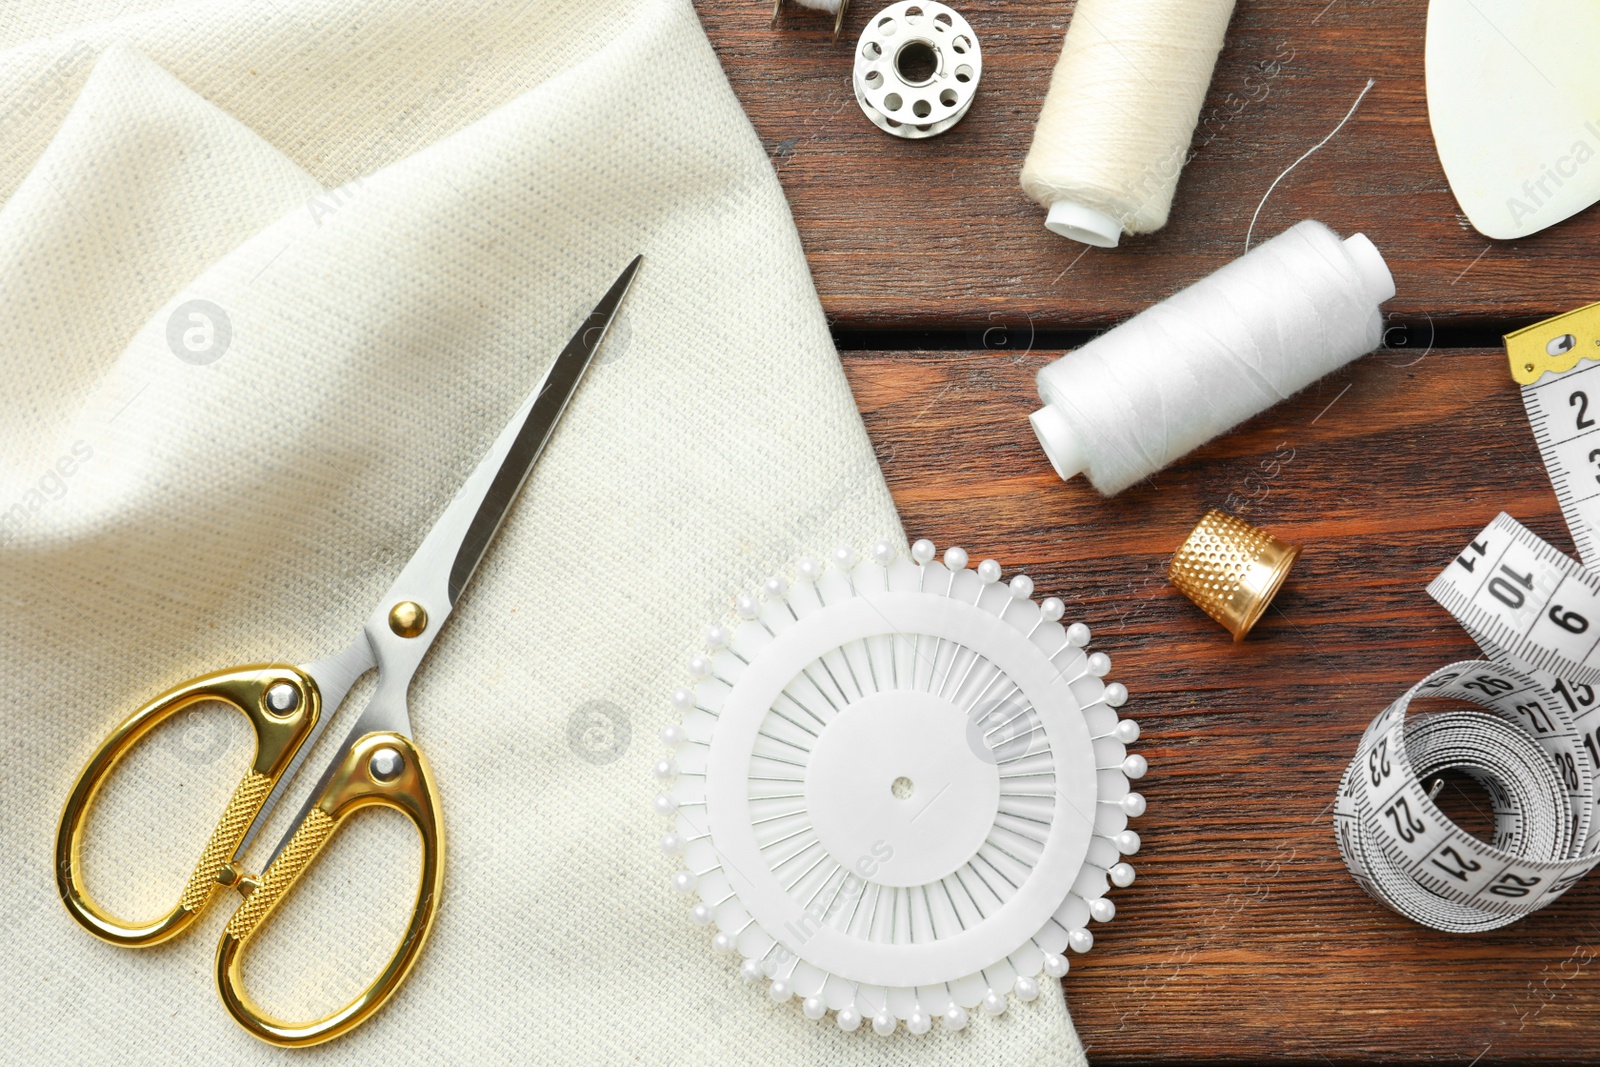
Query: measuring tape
[1518, 596]
[1535, 746]
[1526, 753]
[1552, 361]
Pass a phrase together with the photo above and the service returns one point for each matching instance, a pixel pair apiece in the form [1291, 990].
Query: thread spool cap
[1231, 570]
[1085, 224]
[1059, 439]
[1376, 280]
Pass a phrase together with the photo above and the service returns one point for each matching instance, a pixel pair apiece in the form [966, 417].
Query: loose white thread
[1370, 83]
[1116, 124]
[1176, 375]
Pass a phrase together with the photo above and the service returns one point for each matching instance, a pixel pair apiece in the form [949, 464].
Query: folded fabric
[271, 278]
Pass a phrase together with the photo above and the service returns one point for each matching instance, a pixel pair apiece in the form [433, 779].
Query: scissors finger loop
[282, 704]
[380, 768]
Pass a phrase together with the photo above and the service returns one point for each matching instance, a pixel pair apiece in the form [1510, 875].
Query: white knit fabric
[401, 211]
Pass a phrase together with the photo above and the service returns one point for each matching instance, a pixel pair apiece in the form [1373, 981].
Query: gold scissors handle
[282, 704]
[381, 768]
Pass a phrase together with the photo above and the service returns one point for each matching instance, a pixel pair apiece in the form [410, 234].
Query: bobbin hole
[871, 50]
[893, 101]
[886, 26]
[913, 15]
[874, 79]
[961, 44]
[948, 98]
[963, 73]
[922, 109]
[917, 62]
[943, 17]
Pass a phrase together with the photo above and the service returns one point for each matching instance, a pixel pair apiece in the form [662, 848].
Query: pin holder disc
[917, 68]
[899, 789]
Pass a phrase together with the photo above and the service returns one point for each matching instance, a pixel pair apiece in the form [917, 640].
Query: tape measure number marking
[1564, 411]
[1406, 852]
[1518, 595]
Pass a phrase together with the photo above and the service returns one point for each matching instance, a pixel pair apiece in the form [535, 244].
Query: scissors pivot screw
[408, 619]
[282, 698]
[386, 765]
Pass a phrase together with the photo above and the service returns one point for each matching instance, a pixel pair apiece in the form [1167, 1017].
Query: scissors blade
[449, 556]
[445, 561]
[550, 403]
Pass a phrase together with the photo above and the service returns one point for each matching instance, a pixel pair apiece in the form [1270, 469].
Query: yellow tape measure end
[1554, 345]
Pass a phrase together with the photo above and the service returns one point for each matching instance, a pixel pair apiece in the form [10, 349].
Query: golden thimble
[1231, 570]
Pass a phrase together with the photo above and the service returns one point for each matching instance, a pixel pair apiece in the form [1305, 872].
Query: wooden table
[1244, 939]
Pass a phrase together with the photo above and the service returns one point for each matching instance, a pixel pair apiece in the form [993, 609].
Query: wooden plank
[937, 233]
[1244, 938]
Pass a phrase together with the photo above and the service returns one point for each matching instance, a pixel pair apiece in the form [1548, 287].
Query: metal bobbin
[917, 68]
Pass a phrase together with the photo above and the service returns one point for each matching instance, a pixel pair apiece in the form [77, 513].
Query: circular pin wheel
[900, 789]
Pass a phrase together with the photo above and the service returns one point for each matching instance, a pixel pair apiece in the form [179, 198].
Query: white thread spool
[1115, 127]
[1202, 361]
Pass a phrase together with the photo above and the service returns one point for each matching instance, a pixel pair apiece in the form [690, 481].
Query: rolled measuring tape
[1535, 746]
[1525, 750]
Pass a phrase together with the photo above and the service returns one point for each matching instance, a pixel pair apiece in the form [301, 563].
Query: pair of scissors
[376, 763]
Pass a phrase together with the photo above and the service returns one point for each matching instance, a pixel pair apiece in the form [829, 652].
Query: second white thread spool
[1115, 127]
[1202, 361]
